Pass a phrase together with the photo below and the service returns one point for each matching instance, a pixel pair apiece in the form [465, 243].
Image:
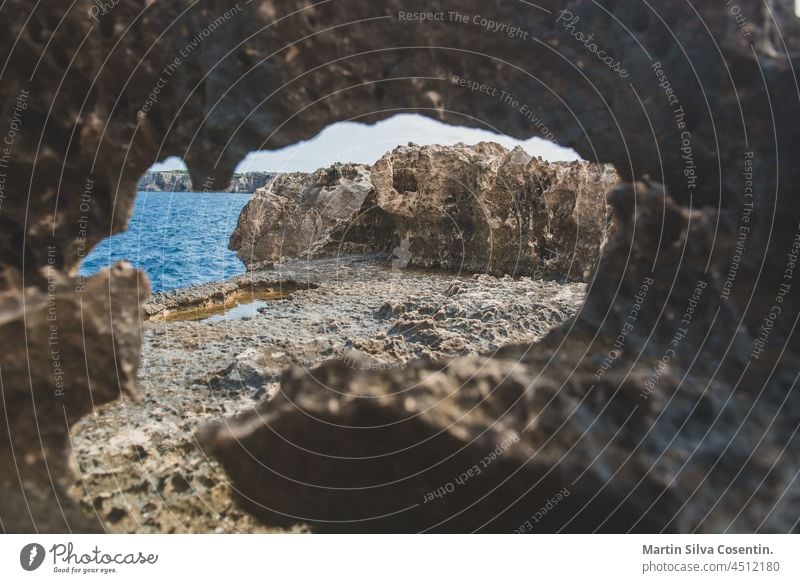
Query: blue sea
[177, 238]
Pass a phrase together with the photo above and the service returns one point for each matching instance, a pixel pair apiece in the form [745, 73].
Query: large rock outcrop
[297, 212]
[465, 208]
[485, 209]
[698, 117]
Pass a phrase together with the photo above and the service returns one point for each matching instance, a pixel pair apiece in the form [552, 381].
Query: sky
[356, 142]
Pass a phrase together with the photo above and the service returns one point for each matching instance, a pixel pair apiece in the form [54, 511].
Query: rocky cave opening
[660, 405]
[433, 252]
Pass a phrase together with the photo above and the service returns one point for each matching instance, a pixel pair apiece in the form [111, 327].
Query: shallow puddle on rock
[242, 307]
[244, 310]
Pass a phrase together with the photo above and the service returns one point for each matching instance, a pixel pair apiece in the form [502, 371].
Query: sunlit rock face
[486, 209]
[461, 208]
[296, 214]
[645, 434]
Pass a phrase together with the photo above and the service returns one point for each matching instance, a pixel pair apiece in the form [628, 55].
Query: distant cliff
[179, 181]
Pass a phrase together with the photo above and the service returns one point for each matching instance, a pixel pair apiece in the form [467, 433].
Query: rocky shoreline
[140, 466]
[350, 266]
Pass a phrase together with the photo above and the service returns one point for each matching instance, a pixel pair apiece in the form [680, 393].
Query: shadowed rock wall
[694, 431]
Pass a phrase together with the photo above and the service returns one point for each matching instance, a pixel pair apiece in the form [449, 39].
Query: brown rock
[297, 212]
[74, 348]
[650, 424]
[484, 209]
[462, 208]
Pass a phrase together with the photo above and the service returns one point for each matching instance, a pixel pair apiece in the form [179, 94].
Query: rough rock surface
[477, 208]
[174, 181]
[297, 212]
[484, 209]
[643, 433]
[71, 360]
[140, 467]
[714, 446]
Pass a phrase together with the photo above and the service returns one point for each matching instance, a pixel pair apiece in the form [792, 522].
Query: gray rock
[475, 208]
[297, 213]
[178, 181]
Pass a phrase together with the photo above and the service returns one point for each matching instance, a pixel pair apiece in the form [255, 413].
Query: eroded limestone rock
[484, 209]
[465, 208]
[297, 212]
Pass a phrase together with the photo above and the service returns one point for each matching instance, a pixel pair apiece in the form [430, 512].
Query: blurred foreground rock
[653, 424]
[69, 347]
